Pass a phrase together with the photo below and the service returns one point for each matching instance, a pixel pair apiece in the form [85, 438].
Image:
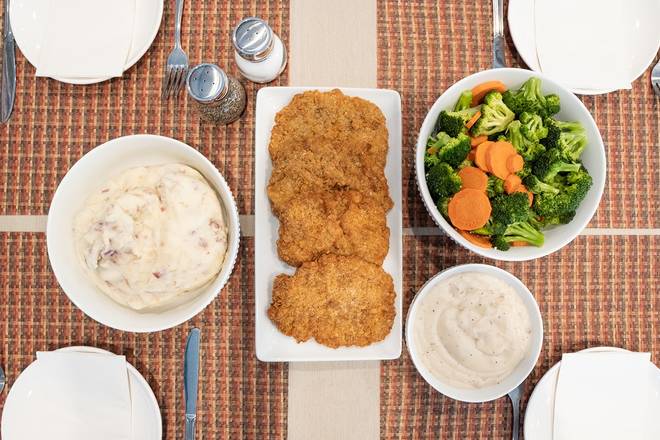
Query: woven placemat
[587, 298]
[596, 291]
[54, 124]
[426, 46]
[239, 397]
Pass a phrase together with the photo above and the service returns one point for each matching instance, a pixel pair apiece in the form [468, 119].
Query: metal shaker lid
[207, 83]
[253, 39]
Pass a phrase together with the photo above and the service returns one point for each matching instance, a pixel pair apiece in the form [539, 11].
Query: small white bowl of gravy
[474, 332]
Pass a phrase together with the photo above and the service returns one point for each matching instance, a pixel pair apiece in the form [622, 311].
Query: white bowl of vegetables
[510, 164]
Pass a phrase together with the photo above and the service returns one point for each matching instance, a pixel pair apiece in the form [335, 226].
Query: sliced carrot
[471, 155]
[472, 120]
[481, 90]
[496, 158]
[519, 243]
[480, 155]
[511, 183]
[472, 177]
[469, 209]
[478, 240]
[523, 189]
[515, 163]
[477, 140]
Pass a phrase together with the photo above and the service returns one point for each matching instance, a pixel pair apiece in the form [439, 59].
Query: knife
[498, 34]
[191, 377]
[8, 86]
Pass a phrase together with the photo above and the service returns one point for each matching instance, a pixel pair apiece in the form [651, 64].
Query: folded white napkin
[86, 38]
[582, 43]
[81, 396]
[604, 396]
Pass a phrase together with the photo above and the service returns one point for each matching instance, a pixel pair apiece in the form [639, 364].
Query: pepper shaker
[220, 97]
[258, 51]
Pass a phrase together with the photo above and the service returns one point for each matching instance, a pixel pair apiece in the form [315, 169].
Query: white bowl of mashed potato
[143, 233]
[474, 332]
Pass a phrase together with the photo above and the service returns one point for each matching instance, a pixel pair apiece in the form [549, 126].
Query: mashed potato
[152, 236]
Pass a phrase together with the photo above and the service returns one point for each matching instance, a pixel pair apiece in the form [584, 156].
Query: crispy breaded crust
[336, 222]
[337, 300]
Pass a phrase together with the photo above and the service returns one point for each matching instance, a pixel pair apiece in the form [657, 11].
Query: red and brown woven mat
[52, 126]
[599, 290]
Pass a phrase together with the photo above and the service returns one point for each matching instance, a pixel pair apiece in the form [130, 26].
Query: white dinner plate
[271, 345]
[28, 20]
[642, 24]
[539, 413]
[147, 422]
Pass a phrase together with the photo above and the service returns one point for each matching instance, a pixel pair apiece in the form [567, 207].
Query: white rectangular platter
[271, 345]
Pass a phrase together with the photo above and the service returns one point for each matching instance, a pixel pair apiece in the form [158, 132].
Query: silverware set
[176, 69]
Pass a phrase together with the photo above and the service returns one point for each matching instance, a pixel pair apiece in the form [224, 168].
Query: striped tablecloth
[602, 289]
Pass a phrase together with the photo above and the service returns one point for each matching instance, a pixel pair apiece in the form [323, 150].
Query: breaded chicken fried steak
[337, 300]
[329, 191]
[337, 222]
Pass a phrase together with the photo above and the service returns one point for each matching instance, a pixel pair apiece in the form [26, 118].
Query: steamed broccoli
[443, 181]
[561, 219]
[532, 126]
[453, 123]
[530, 99]
[535, 185]
[455, 151]
[568, 199]
[495, 116]
[569, 137]
[438, 140]
[464, 101]
[528, 148]
[507, 209]
[522, 231]
[495, 186]
[552, 162]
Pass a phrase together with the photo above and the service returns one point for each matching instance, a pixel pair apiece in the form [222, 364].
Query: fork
[176, 69]
[655, 78]
[515, 395]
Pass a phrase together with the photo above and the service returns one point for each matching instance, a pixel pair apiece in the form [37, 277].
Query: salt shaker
[220, 98]
[259, 52]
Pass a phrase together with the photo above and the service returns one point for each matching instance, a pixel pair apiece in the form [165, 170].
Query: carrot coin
[496, 158]
[480, 155]
[511, 183]
[515, 163]
[469, 209]
[472, 177]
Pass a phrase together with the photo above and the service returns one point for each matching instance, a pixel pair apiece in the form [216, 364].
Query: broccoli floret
[495, 116]
[561, 219]
[526, 170]
[466, 163]
[552, 162]
[443, 181]
[569, 137]
[528, 148]
[532, 126]
[568, 199]
[443, 206]
[522, 231]
[508, 209]
[535, 185]
[430, 160]
[464, 101]
[455, 151]
[530, 99]
[438, 140]
[453, 123]
[495, 186]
